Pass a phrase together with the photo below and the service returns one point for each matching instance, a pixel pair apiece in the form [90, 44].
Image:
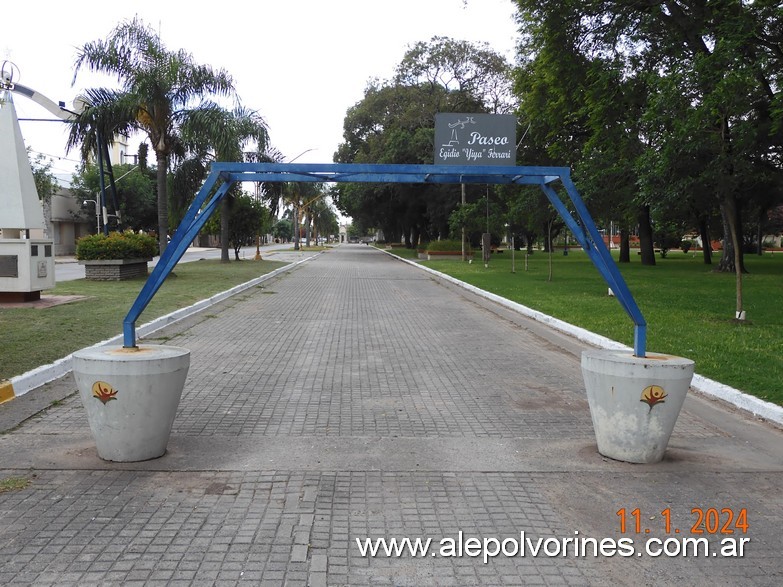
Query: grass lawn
[32, 337]
[689, 309]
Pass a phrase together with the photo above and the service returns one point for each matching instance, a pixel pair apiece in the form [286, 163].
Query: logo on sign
[476, 139]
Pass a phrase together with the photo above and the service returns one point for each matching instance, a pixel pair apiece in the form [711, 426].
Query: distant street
[68, 269]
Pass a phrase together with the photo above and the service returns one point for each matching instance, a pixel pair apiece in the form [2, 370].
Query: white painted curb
[743, 401]
[39, 376]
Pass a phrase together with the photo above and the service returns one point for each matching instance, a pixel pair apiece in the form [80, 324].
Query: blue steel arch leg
[191, 224]
[571, 223]
[588, 236]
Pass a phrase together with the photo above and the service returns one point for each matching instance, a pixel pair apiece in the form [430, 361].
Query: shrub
[447, 245]
[117, 245]
[686, 245]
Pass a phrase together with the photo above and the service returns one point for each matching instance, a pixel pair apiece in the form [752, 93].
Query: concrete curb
[21, 384]
[743, 401]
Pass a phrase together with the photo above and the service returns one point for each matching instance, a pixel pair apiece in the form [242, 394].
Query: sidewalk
[359, 397]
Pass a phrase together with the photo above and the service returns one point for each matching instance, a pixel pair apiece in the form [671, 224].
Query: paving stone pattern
[356, 347]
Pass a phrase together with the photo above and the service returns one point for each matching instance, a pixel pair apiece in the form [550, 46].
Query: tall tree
[394, 123]
[719, 62]
[472, 70]
[299, 195]
[324, 219]
[248, 219]
[159, 91]
[582, 109]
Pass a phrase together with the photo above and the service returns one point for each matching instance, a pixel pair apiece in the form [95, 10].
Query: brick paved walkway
[359, 397]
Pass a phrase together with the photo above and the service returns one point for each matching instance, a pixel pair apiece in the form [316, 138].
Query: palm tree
[224, 135]
[160, 90]
[298, 194]
[324, 219]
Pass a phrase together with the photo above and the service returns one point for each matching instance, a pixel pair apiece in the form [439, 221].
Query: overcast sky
[300, 63]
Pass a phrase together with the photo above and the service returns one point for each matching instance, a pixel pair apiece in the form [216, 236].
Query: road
[67, 268]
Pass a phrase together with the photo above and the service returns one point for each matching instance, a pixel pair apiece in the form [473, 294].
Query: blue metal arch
[224, 175]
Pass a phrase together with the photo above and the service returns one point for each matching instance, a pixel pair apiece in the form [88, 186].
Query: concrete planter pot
[115, 269]
[634, 402]
[131, 397]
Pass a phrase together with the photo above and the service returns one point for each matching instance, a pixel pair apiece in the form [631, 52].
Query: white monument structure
[26, 264]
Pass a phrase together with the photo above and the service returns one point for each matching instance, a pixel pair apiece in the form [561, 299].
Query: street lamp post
[300, 154]
[100, 204]
[97, 214]
[510, 237]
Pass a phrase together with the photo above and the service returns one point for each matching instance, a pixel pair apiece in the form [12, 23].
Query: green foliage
[475, 71]
[446, 245]
[184, 183]
[158, 90]
[673, 107]
[45, 182]
[325, 220]
[394, 124]
[116, 245]
[282, 229]
[476, 219]
[667, 237]
[136, 196]
[246, 222]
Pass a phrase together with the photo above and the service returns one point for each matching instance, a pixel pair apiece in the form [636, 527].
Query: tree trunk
[308, 220]
[646, 237]
[424, 235]
[224, 234]
[760, 231]
[706, 243]
[625, 245]
[390, 233]
[163, 202]
[729, 205]
[732, 232]
[726, 263]
[549, 244]
[416, 236]
[296, 226]
[529, 237]
[547, 237]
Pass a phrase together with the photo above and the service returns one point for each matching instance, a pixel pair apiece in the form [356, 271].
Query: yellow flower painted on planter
[653, 394]
[103, 391]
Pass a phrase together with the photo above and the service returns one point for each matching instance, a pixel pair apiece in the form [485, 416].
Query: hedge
[447, 245]
[117, 245]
